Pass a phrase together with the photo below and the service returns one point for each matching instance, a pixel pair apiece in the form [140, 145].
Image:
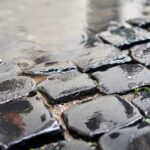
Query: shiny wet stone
[50, 67]
[141, 54]
[22, 122]
[100, 56]
[72, 145]
[101, 115]
[123, 37]
[143, 103]
[69, 86]
[143, 22]
[14, 88]
[134, 138]
[123, 78]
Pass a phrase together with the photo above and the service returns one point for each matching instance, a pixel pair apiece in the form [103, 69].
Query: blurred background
[61, 24]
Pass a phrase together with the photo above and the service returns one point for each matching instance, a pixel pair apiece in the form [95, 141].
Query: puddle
[51, 27]
[35, 35]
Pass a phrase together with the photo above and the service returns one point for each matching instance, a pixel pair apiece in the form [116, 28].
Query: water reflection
[100, 12]
[59, 25]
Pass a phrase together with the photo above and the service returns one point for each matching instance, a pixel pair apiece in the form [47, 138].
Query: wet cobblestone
[141, 54]
[72, 145]
[140, 22]
[142, 102]
[123, 37]
[56, 83]
[14, 88]
[126, 78]
[100, 56]
[134, 138]
[24, 120]
[47, 68]
[93, 118]
[64, 87]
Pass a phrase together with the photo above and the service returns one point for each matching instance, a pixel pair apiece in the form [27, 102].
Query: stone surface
[141, 54]
[50, 67]
[72, 145]
[23, 121]
[143, 22]
[123, 37]
[63, 87]
[123, 78]
[100, 56]
[134, 138]
[101, 115]
[143, 103]
[14, 88]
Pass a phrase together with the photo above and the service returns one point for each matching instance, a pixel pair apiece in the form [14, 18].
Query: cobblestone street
[74, 75]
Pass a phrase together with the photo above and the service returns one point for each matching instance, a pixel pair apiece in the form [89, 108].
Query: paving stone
[64, 87]
[100, 56]
[134, 138]
[123, 37]
[143, 103]
[143, 22]
[123, 78]
[72, 145]
[24, 121]
[141, 54]
[101, 115]
[14, 88]
[50, 67]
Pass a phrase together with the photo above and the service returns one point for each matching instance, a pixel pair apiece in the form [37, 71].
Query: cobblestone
[65, 87]
[143, 22]
[123, 78]
[72, 145]
[123, 37]
[24, 120]
[93, 118]
[56, 83]
[141, 54]
[14, 88]
[134, 138]
[143, 103]
[100, 56]
[46, 68]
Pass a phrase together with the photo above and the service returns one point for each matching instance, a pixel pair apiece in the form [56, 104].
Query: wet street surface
[127, 77]
[94, 118]
[75, 75]
[134, 138]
